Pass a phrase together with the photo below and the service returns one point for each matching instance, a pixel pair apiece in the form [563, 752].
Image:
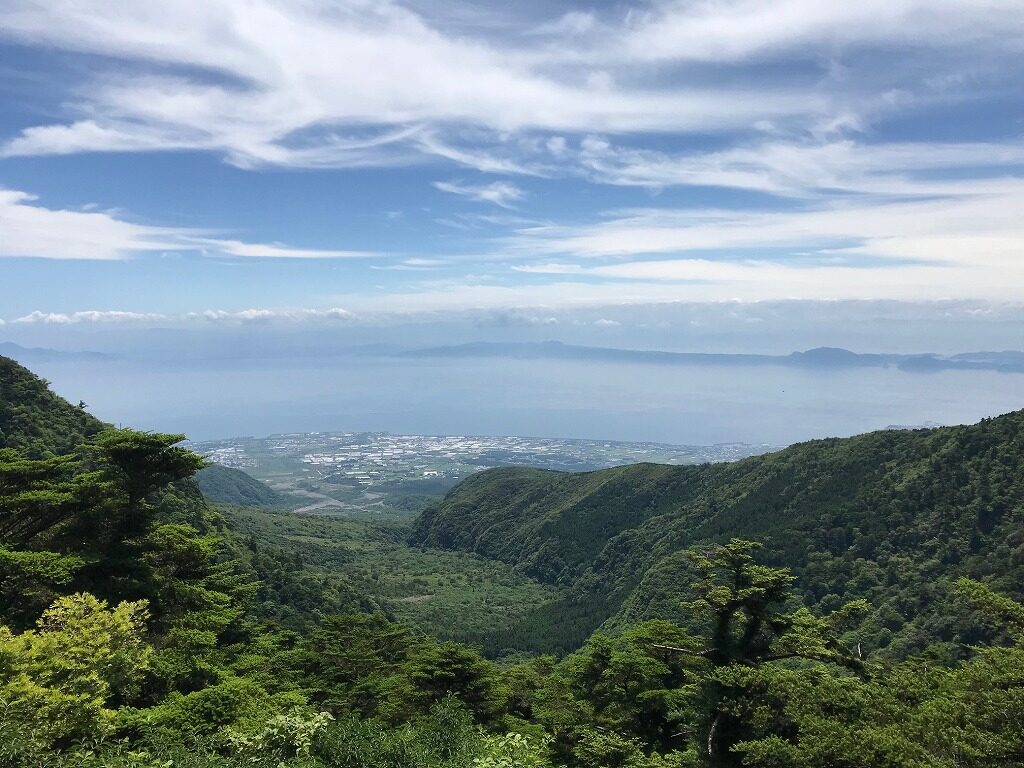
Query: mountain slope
[893, 516]
[34, 420]
[225, 485]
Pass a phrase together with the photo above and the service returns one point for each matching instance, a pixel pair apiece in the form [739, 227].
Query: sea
[688, 405]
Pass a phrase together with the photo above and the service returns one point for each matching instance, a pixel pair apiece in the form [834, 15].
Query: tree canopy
[139, 630]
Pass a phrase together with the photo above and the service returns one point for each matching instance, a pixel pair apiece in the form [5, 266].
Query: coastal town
[352, 472]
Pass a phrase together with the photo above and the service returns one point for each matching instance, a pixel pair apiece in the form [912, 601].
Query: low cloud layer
[156, 319]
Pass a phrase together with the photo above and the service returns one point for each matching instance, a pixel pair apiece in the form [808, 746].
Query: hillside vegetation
[444, 593]
[225, 485]
[34, 420]
[142, 628]
[893, 516]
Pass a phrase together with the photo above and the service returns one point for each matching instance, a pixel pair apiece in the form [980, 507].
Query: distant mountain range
[820, 357]
[1006, 361]
[43, 355]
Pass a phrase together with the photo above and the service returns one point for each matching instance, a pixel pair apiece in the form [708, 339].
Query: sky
[729, 174]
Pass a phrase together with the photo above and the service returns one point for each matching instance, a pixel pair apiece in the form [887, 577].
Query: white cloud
[29, 229]
[979, 227]
[805, 168]
[549, 269]
[355, 83]
[414, 264]
[32, 230]
[734, 30]
[358, 83]
[889, 220]
[90, 136]
[967, 243]
[276, 250]
[243, 316]
[271, 315]
[669, 286]
[89, 316]
[499, 192]
[426, 263]
[701, 281]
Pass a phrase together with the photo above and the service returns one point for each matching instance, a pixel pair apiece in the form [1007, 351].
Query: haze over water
[542, 398]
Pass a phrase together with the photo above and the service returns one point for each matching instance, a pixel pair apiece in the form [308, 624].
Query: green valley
[448, 594]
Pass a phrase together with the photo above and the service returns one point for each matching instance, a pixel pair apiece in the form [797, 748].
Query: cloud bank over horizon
[770, 327]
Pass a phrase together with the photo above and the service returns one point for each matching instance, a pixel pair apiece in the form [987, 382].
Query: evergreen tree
[743, 607]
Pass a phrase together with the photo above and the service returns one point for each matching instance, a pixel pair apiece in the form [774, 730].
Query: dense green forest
[33, 420]
[448, 594]
[894, 517]
[140, 627]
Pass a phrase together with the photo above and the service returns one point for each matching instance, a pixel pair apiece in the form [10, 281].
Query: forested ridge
[139, 629]
[34, 420]
[894, 517]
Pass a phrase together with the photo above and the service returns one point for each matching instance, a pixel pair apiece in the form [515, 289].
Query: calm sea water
[543, 398]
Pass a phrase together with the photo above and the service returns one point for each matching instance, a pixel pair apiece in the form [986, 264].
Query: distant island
[1009, 361]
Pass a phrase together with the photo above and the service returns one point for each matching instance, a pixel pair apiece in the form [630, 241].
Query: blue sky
[340, 164]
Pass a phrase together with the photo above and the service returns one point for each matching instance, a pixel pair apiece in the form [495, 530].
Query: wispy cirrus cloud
[281, 93]
[265, 82]
[966, 242]
[786, 103]
[500, 193]
[273, 250]
[29, 229]
[806, 168]
[976, 223]
[736, 30]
